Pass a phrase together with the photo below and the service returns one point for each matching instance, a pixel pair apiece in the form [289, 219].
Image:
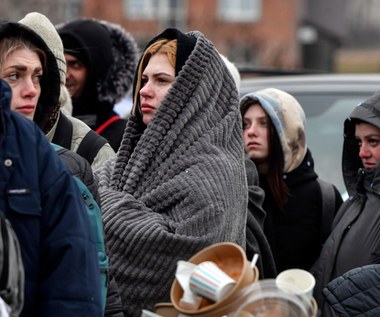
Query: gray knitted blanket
[177, 186]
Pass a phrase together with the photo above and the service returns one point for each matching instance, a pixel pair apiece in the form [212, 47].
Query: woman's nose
[29, 88]
[363, 151]
[146, 90]
[252, 130]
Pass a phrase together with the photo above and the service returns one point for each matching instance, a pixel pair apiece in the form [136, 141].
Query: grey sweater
[177, 185]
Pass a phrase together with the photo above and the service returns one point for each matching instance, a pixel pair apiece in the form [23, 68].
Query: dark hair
[276, 162]
[275, 177]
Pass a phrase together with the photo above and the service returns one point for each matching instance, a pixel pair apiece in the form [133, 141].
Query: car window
[325, 116]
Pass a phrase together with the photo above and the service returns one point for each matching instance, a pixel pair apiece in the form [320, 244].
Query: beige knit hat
[46, 30]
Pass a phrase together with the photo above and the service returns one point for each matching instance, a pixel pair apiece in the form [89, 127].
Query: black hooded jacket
[109, 54]
[355, 239]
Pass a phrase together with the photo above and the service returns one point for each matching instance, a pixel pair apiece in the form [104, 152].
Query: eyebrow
[369, 136]
[158, 74]
[23, 68]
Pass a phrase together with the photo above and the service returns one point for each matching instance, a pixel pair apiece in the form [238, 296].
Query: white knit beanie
[46, 30]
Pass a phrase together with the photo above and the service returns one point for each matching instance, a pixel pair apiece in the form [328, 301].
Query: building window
[167, 12]
[239, 10]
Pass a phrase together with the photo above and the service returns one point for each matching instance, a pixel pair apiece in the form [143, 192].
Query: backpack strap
[90, 145]
[64, 132]
[328, 208]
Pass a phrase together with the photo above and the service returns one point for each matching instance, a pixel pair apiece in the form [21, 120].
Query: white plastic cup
[302, 282]
[209, 281]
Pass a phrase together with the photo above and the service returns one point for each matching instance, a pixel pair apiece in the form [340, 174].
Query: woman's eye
[13, 76]
[263, 123]
[373, 142]
[37, 78]
[162, 80]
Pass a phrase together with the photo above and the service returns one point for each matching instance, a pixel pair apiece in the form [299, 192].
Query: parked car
[327, 100]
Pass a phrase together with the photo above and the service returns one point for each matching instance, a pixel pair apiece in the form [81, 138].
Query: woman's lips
[369, 165]
[145, 108]
[253, 145]
[26, 109]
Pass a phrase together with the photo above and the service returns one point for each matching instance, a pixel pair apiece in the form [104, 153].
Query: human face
[369, 142]
[76, 75]
[255, 132]
[157, 77]
[22, 70]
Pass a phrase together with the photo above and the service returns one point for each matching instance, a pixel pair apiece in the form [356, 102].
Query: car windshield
[324, 131]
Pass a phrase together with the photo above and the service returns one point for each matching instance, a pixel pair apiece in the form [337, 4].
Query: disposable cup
[232, 260]
[302, 281]
[209, 281]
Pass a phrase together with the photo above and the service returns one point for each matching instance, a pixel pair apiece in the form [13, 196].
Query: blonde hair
[162, 46]
[10, 44]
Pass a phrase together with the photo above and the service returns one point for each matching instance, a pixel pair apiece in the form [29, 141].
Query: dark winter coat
[110, 56]
[41, 200]
[355, 239]
[356, 293]
[80, 168]
[295, 233]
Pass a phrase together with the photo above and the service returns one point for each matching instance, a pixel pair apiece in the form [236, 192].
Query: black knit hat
[185, 45]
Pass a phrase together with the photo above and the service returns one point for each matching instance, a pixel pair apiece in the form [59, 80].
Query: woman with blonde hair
[178, 182]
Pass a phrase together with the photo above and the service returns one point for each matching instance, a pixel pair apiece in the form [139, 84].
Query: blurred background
[323, 35]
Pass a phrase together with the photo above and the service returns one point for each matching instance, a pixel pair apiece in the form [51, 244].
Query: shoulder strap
[328, 207]
[90, 145]
[64, 133]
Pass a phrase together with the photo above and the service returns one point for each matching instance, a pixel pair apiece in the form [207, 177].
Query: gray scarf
[178, 185]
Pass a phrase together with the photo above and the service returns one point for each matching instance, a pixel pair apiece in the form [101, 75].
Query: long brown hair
[162, 46]
[277, 185]
[275, 175]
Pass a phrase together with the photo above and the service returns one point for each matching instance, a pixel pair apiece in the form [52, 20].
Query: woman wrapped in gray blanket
[178, 181]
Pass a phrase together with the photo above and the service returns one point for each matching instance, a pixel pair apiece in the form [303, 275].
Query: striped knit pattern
[177, 186]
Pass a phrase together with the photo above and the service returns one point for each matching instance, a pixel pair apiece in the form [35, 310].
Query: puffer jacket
[355, 293]
[41, 200]
[355, 239]
[295, 233]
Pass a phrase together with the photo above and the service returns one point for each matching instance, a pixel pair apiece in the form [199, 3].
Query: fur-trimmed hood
[110, 54]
